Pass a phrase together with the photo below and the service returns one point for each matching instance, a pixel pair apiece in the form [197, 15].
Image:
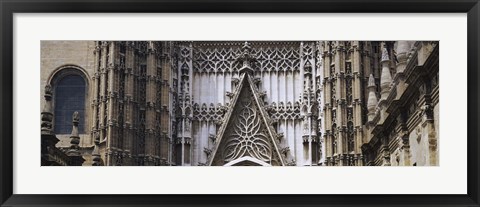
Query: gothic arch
[188, 111]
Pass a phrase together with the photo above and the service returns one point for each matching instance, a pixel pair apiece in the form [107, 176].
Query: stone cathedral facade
[236, 103]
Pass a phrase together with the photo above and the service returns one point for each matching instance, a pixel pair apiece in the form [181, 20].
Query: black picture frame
[10, 7]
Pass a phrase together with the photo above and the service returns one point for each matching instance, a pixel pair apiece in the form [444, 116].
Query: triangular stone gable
[246, 129]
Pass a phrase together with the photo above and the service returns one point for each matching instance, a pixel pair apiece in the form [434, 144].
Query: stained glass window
[69, 97]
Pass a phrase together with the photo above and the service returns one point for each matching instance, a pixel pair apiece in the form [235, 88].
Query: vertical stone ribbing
[340, 104]
[103, 96]
[165, 100]
[184, 135]
[319, 108]
[141, 102]
[327, 100]
[343, 69]
[114, 149]
[309, 105]
[357, 64]
[96, 93]
[150, 112]
[129, 110]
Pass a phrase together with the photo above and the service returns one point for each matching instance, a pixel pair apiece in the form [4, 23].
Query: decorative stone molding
[211, 113]
[268, 59]
[284, 111]
[247, 133]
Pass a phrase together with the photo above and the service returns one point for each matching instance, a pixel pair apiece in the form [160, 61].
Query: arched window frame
[60, 73]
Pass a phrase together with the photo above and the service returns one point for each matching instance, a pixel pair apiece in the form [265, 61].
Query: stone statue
[76, 117]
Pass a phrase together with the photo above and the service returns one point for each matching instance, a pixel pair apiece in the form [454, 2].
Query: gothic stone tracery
[301, 102]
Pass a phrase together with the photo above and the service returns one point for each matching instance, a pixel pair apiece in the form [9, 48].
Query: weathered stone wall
[282, 81]
[55, 55]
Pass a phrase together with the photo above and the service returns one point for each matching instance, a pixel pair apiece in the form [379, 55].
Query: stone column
[96, 93]
[150, 113]
[341, 99]
[357, 99]
[165, 102]
[403, 136]
[428, 124]
[327, 97]
[112, 97]
[129, 110]
[102, 96]
[103, 90]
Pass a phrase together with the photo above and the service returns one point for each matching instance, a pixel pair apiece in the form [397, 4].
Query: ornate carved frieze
[210, 113]
[272, 58]
[283, 111]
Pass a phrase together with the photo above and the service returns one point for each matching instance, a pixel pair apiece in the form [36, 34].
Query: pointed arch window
[69, 96]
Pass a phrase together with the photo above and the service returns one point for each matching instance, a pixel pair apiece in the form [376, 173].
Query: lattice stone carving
[247, 136]
[270, 58]
[278, 59]
[282, 111]
[216, 60]
[246, 133]
[212, 113]
[308, 51]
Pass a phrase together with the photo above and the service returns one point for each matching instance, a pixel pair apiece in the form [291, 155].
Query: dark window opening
[69, 97]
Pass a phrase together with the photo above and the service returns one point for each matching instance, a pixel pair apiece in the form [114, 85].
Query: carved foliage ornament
[248, 137]
[247, 132]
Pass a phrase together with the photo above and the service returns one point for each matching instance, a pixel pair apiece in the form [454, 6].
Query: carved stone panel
[246, 134]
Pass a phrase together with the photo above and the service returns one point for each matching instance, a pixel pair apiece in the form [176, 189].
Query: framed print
[200, 103]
